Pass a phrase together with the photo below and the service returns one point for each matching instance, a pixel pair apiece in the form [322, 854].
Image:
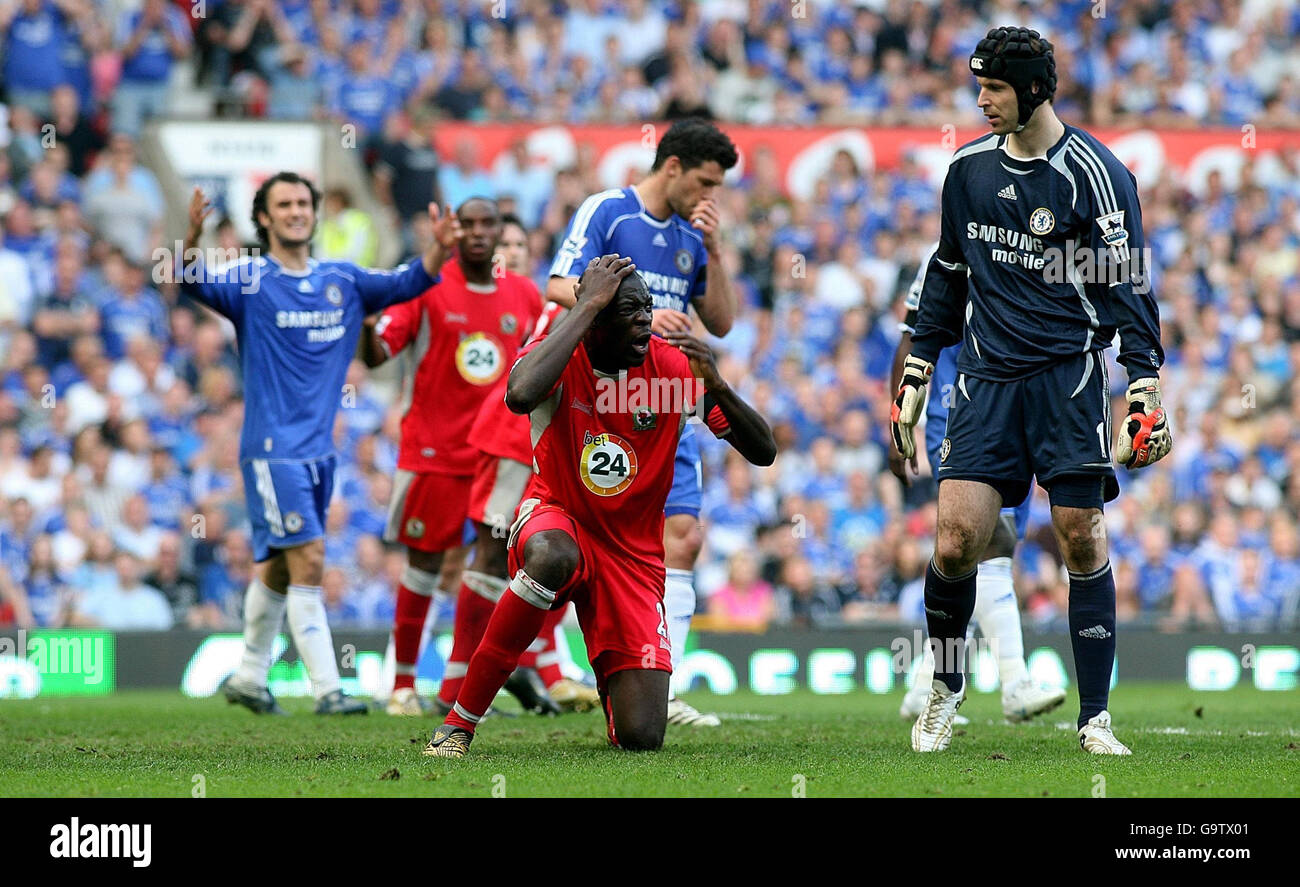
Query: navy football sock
[949, 604]
[1092, 635]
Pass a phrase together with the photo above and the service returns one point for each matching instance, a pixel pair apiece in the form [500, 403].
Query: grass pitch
[1240, 743]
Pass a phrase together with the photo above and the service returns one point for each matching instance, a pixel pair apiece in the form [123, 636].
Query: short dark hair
[512, 219]
[694, 141]
[479, 198]
[259, 199]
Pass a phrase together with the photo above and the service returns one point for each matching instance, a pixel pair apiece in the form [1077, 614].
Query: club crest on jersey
[944, 449]
[1112, 228]
[509, 324]
[643, 419]
[333, 294]
[480, 359]
[415, 528]
[292, 522]
[607, 464]
[1041, 221]
[683, 260]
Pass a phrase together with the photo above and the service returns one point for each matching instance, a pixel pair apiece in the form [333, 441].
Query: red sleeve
[398, 324]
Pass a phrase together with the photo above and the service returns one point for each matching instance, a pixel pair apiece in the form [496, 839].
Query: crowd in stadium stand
[120, 497]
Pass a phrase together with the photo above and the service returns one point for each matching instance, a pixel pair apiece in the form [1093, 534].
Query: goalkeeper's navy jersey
[669, 254]
[1039, 261]
[297, 334]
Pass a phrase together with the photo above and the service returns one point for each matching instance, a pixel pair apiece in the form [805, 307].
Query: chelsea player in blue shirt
[297, 321]
[681, 264]
[1039, 266]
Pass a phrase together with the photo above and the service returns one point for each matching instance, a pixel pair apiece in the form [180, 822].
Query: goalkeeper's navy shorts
[943, 385]
[1054, 426]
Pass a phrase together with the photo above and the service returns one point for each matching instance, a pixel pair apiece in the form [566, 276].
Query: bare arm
[717, 307]
[370, 348]
[749, 434]
[560, 289]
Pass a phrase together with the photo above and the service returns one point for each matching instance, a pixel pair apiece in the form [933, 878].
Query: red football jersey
[499, 432]
[463, 338]
[606, 458]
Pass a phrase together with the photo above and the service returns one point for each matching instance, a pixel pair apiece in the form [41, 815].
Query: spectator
[127, 605]
[746, 602]
[179, 587]
[463, 179]
[136, 535]
[151, 38]
[124, 204]
[346, 233]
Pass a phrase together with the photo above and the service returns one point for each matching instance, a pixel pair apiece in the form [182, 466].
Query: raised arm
[745, 430]
[717, 307]
[534, 375]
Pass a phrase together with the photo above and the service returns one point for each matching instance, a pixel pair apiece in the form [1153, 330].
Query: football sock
[263, 613]
[311, 635]
[513, 626]
[998, 613]
[948, 607]
[679, 607]
[413, 598]
[478, 594]
[1092, 635]
[543, 653]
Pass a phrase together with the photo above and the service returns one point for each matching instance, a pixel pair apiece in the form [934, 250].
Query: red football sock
[548, 657]
[472, 614]
[513, 626]
[408, 623]
[545, 639]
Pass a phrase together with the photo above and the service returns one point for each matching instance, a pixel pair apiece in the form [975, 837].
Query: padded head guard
[1022, 58]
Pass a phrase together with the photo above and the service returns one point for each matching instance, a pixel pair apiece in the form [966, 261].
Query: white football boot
[933, 728]
[1028, 699]
[681, 714]
[1096, 739]
[914, 704]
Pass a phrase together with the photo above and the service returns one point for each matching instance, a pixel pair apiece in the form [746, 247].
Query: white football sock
[998, 613]
[924, 676]
[679, 607]
[311, 635]
[263, 614]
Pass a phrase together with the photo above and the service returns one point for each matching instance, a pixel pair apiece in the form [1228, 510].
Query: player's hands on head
[706, 219]
[908, 404]
[701, 356]
[446, 227]
[200, 209]
[666, 320]
[1144, 437]
[599, 283]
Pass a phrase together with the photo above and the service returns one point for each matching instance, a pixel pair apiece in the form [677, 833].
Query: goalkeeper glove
[1144, 437]
[908, 404]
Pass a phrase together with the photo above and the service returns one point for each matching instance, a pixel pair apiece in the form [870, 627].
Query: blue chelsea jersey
[297, 333]
[669, 253]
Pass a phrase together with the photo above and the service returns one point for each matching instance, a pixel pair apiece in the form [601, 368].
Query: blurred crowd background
[120, 403]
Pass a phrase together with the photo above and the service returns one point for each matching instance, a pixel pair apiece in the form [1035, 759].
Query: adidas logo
[659, 240]
[1097, 632]
[1009, 192]
[304, 287]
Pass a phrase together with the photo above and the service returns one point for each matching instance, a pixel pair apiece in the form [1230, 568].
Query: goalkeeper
[1039, 265]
